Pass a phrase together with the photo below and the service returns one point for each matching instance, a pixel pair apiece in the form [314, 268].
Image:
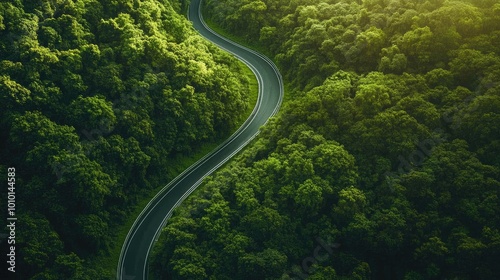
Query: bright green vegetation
[102, 103]
[384, 163]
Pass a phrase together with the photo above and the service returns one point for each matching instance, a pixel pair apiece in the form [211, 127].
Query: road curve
[147, 227]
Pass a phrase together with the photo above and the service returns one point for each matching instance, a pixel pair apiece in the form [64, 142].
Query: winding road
[147, 227]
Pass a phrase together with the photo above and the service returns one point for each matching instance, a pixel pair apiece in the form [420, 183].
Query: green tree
[13, 95]
[263, 265]
[89, 113]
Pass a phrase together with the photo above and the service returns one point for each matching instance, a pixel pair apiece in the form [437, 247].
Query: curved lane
[147, 227]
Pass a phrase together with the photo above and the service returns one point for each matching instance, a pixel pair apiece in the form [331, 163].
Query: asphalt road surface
[147, 227]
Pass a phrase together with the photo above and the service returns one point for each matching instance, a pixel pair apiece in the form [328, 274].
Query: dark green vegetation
[385, 163]
[99, 100]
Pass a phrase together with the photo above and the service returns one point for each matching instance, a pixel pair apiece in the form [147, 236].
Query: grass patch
[254, 92]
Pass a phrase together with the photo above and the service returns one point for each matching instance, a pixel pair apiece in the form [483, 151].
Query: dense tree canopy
[383, 165]
[96, 99]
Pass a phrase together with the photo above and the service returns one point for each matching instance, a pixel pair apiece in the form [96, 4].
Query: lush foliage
[97, 98]
[386, 163]
[312, 39]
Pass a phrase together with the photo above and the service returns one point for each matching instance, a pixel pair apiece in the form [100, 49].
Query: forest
[98, 101]
[384, 162]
